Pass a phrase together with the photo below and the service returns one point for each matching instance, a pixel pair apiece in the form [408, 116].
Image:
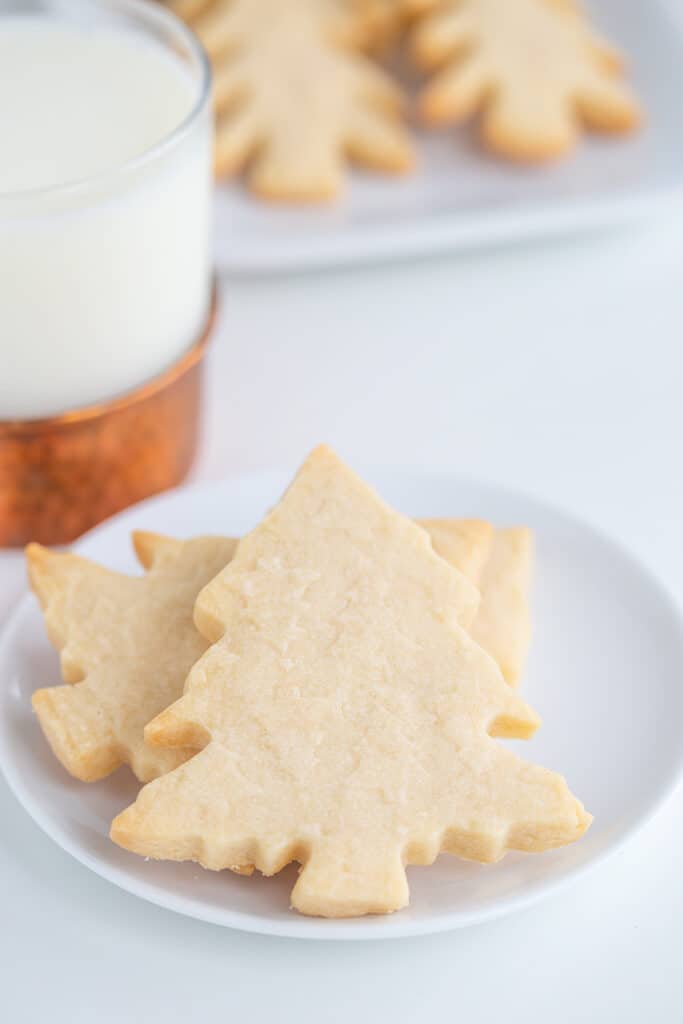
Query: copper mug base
[61, 475]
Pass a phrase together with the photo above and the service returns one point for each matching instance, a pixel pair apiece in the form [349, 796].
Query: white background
[557, 369]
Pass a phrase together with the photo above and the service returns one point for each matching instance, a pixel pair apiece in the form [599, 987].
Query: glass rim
[161, 16]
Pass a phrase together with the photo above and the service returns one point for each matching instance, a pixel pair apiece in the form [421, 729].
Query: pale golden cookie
[127, 643]
[348, 718]
[533, 69]
[295, 97]
[499, 563]
[502, 625]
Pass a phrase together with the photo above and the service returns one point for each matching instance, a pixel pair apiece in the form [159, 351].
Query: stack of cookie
[299, 89]
[327, 690]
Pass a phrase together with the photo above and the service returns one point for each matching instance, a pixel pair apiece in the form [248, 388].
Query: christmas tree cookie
[126, 643]
[347, 720]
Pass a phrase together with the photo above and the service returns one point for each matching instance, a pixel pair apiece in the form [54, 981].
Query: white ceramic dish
[461, 198]
[604, 674]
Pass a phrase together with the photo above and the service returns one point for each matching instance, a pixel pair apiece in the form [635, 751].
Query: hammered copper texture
[61, 476]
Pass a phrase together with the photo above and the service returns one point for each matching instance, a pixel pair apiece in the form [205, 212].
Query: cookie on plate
[126, 643]
[347, 720]
[295, 95]
[534, 70]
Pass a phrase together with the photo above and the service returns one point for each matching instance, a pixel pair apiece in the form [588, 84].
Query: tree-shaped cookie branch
[126, 643]
[534, 69]
[348, 718]
[296, 97]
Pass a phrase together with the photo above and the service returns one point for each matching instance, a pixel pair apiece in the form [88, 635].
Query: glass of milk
[105, 132]
[105, 206]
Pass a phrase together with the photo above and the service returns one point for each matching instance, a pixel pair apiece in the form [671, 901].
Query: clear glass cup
[105, 281]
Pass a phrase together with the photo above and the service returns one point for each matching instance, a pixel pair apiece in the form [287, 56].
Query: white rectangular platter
[461, 197]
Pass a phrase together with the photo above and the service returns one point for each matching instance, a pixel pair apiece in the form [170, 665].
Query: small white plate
[459, 197]
[605, 674]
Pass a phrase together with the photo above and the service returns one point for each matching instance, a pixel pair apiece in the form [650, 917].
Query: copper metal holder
[61, 475]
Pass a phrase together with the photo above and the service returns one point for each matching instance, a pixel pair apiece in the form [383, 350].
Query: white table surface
[557, 369]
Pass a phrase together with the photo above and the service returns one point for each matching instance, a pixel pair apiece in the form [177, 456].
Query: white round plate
[604, 673]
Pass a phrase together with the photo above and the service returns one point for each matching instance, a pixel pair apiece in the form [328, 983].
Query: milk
[105, 283]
